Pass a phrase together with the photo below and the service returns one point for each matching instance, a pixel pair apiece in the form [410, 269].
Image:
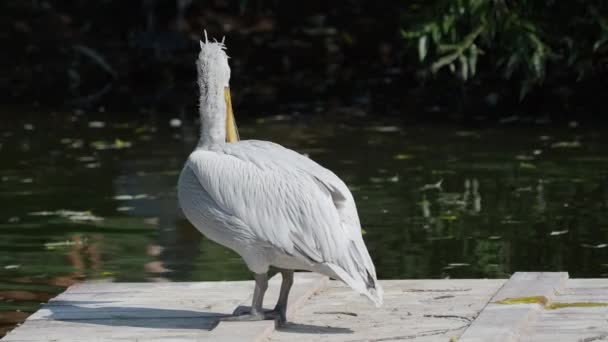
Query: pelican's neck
[212, 109]
[213, 76]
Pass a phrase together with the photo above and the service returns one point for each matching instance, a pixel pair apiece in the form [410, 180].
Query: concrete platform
[527, 307]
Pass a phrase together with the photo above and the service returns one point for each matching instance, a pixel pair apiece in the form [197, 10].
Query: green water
[80, 202]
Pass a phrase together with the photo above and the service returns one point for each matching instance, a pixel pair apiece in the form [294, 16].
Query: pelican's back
[276, 207]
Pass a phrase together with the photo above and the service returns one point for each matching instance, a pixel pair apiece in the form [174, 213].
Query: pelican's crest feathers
[213, 78]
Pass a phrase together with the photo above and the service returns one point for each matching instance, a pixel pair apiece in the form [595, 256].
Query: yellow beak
[232, 133]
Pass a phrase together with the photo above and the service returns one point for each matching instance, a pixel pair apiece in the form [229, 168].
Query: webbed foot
[279, 313]
[245, 314]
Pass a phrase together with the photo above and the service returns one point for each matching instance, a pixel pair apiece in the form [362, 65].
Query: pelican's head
[214, 84]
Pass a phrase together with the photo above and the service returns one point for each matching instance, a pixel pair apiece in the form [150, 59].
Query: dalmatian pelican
[271, 205]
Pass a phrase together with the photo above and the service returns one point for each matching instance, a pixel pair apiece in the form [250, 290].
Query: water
[93, 196]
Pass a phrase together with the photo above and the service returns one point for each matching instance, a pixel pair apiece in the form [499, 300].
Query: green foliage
[524, 40]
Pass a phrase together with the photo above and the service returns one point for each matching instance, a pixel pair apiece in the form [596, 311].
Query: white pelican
[271, 205]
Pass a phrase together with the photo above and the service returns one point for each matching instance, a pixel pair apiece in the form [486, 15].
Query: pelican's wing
[290, 203]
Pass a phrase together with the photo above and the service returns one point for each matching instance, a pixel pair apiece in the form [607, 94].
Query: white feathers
[270, 204]
[276, 207]
[213, 77]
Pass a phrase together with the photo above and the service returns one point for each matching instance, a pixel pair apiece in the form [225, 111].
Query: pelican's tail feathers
[356, 269]
[366, 285]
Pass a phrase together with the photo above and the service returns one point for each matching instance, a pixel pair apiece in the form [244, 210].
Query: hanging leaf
[473, 60]
[422, 48]
[464, 67]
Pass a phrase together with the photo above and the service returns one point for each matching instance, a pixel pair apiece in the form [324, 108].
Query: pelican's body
[271, 205]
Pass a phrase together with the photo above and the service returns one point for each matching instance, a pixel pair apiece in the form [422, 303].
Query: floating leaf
[598, 246]
[175, 122]
[566, 144]
[558, 305]
[152, 221]
[449, 217]
[527, 165]
[97, 124]
[131, 197]
[55, 245]
[541, 300]
[118, 144]
[385, 129]
[435, 186]
[69, 214]
[524, 157]
[402, 156]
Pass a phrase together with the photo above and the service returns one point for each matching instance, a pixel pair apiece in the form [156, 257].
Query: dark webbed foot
[255, 312]
[245, 314]
[279, 313]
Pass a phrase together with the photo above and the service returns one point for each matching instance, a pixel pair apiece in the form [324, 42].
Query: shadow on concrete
[312, 329]
[95, 312]
[141, 317]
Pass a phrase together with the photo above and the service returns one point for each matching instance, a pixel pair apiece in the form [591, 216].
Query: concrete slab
[417, 310]
[527, 307]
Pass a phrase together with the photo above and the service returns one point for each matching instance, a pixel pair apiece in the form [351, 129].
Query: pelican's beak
[232, 133]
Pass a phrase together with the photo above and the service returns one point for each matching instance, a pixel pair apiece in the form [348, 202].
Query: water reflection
[434, 201]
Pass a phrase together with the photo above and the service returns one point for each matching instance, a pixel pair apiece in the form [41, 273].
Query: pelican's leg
[255, 313]
[280, 310]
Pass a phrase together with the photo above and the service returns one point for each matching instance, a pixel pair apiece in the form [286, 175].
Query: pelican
[271, 205]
